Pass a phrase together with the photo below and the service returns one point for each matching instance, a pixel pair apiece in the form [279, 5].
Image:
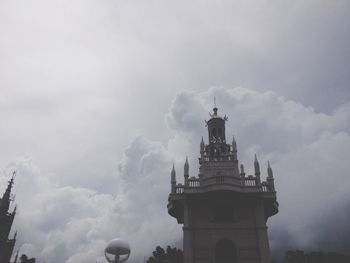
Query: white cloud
[59, 223]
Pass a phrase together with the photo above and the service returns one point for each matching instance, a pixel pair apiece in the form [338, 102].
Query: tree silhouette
[25, 259]
[299, 256]
[170, 255]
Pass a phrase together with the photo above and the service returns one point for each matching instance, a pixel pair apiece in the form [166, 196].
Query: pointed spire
[234, 144]
[186, 168]
[269, 170]
[242, 169]
[6, 195]
[215, 109]
[6, 198]
[173, 174]
[173, 179]
[256, 166]
[202, 146]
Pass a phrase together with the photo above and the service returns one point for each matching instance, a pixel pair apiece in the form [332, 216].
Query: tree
[25, 259]
[170, 255]
[299, 256]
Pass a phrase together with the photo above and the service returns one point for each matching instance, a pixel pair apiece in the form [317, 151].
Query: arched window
[225, 251]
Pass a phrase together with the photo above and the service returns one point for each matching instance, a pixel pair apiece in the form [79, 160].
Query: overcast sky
[99, 98]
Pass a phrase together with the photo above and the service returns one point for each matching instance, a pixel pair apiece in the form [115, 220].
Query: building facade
[223, 210]
[6, 219]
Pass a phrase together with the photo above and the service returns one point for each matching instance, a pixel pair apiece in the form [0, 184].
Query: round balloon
[117, 251]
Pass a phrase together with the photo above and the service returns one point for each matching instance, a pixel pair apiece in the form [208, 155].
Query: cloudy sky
[99, 98]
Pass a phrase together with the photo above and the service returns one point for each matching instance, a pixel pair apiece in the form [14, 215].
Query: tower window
[213, 131]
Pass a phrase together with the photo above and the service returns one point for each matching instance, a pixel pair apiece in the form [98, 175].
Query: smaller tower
[6, 220]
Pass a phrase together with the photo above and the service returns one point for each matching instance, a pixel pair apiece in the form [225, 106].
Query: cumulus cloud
[307, 149]
[73, 224]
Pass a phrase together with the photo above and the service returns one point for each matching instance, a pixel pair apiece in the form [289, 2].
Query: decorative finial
[234, 144]
[173, 179]
[215, 109]
[242, 169]
[256, 166]
[173, 174]
[202, 141]
[186, 168]
[269, 170]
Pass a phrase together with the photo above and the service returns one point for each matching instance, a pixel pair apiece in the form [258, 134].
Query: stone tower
[223, 211]
[6, 220]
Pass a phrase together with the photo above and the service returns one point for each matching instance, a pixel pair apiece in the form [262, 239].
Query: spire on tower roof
[234, 144]
[173, 174]
[186, 168]
[242, 169]
[215, 109]
[269, 170]
[256, 166]
[6, 197]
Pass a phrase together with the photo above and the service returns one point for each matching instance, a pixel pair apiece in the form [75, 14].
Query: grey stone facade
[223, 211]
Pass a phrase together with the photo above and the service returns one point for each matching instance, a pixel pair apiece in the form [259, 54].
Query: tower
[6, 220]
[223, 211]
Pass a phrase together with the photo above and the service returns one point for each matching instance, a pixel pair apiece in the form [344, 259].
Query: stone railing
[250, 182]
[193, 182]
[216, 158]
[179, 189]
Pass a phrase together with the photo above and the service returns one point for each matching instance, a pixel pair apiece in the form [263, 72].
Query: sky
[99, 98]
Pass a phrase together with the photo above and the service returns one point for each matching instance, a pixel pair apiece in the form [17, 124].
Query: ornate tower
[6, 220]
[223, 211]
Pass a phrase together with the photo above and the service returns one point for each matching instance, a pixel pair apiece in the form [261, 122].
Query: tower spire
[234, 143]
[186, 171]
[215, 109]
[173, 179]
[186, 167]
[173, 174]
[256, 166]
[6, 197]
[270, 180]
[257, 170]
[202, 146]
[269, 170]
